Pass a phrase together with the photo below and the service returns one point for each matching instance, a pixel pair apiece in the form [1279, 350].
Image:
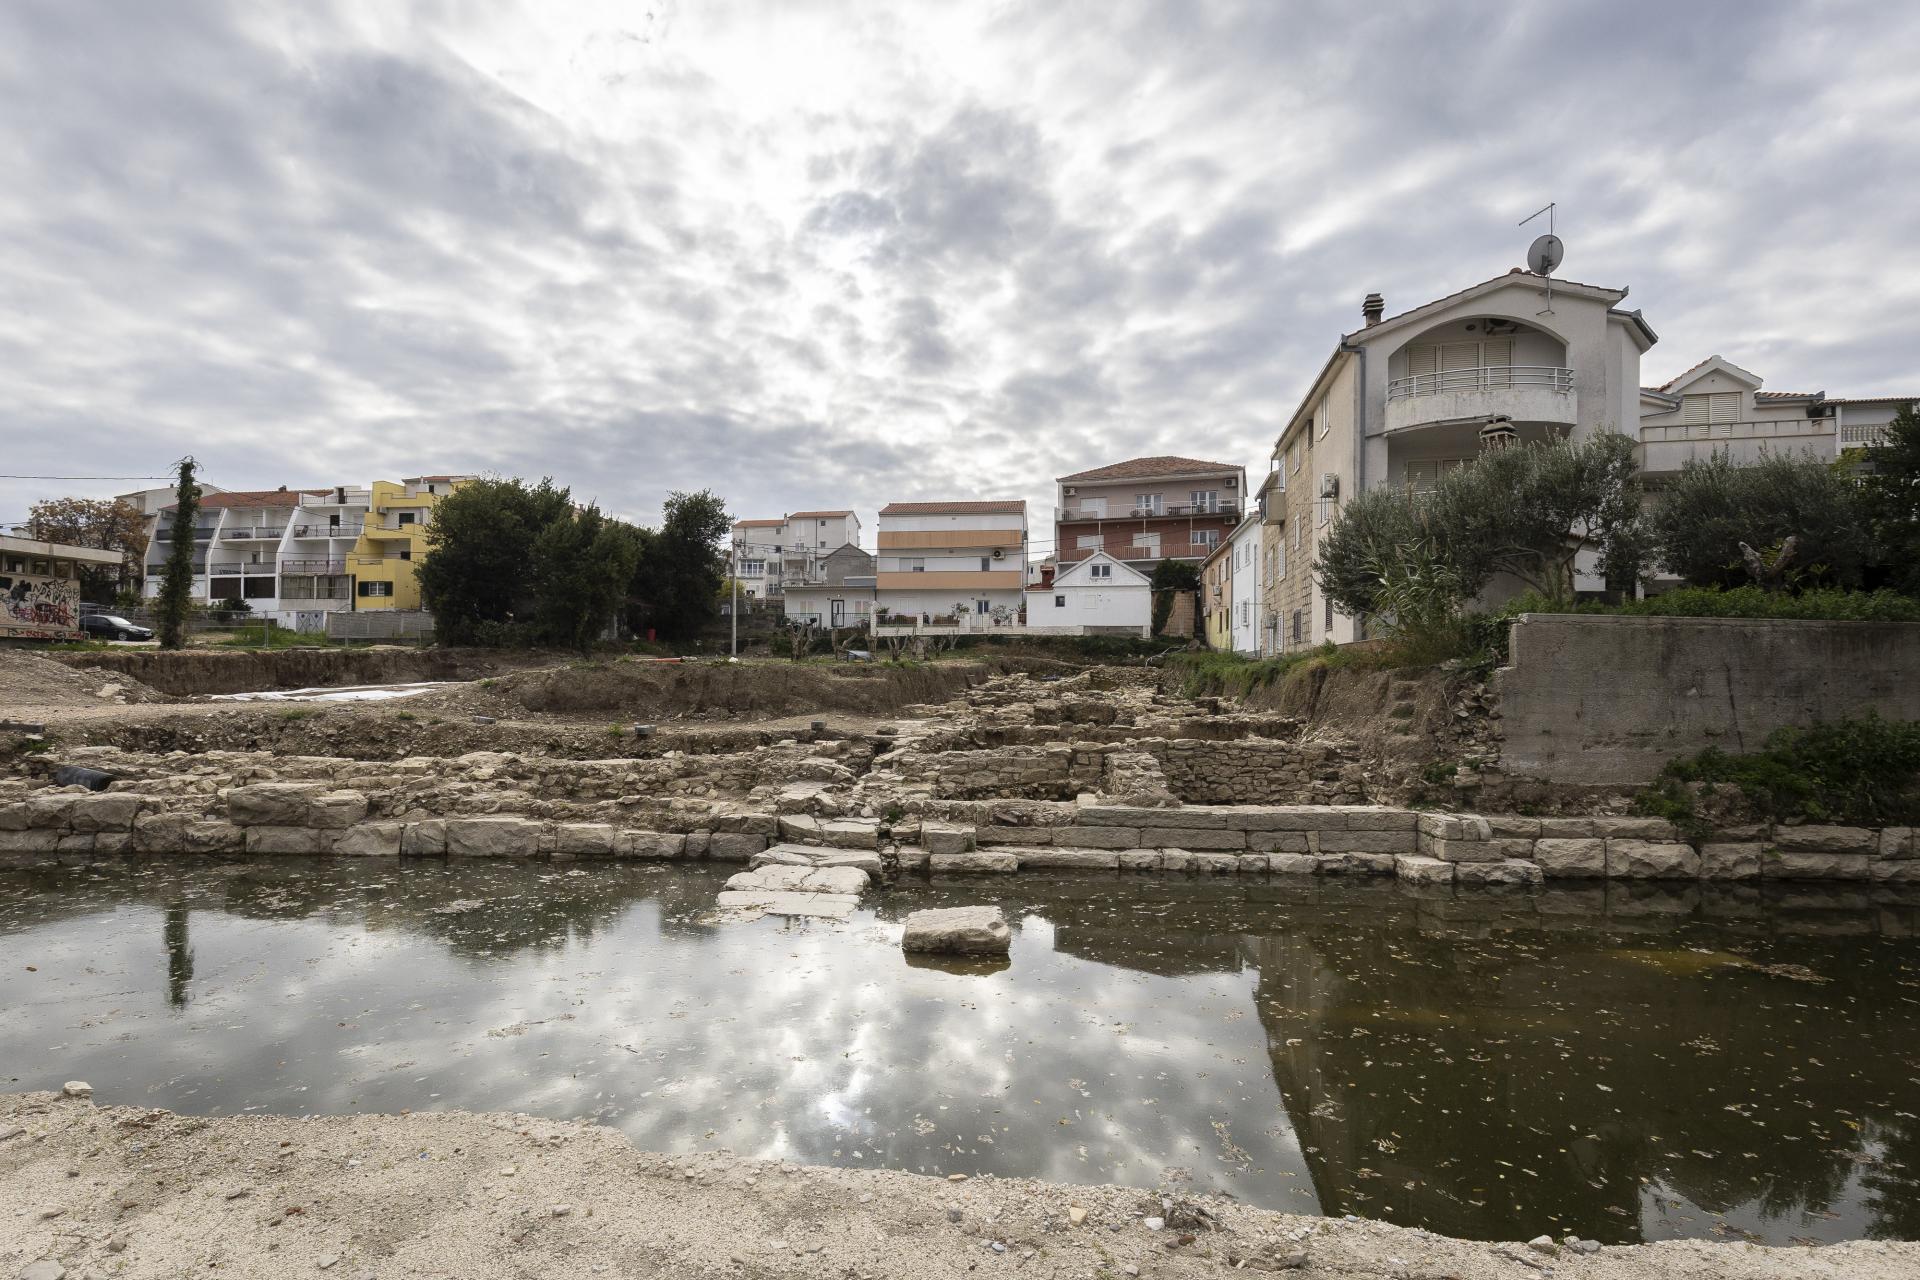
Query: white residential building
[961, 560]
[1098, 594]
[1717, 407]
[768, 555]
[1246, 603]
[284, 552]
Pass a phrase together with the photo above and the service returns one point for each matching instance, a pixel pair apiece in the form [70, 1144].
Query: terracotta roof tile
[816, 515]
[1872, 400]
[1146, 468]
[758, 524]
[991, 507]
[252, 499]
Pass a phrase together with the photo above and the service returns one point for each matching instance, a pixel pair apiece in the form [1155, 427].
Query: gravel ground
[123, 1192]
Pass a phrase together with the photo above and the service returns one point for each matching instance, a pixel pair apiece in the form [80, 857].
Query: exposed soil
[128, 1192]
[34, 687]
[206, 671]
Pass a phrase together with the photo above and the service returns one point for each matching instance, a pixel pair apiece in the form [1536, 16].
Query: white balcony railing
[1764, 429]
[1546, 377]
[1177, 550]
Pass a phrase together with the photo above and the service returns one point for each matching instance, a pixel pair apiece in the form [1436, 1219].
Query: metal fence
[380, 624]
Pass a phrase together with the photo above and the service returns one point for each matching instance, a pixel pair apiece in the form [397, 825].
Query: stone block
[272, 804]
[1280, 841]
[1727, 860]
[980, 862]
[1567, 828]
[74, 842]
[1419, 869]
[1807, 864]
[291, 840]
[1013, 835]
[583, 840]
[748, 824]
[733, 846]
[1454, 826]
[1508, 871]
[1078, 859]
[1121, 815]
[1098, 837]
[369, 840]
[1650, 860]
[494, 837]
[1292, 864]
[1825, 839]
[1571, 858]
[1140, 860]
[799, 826]
[1175, 860]
[48, 810]
[104, 811]
[40, 841]
[334, 810]
[13, 817]
[209, 835]
[1512, 826]
[1461, 850]
[1394, 842]
[946, 837]
[1214, 863]
[1192, 838]
[694, 844]
[1380, 818]
[424, 839]
[911, 857]
[1291, 817]
[964, 931]
[1899, 843]
[1252, 863]
[1895, 871]
[111, 843]
[1633, 828]
[849, 833]
[1357, 864]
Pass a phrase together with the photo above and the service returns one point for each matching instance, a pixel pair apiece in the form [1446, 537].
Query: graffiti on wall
[38, 607]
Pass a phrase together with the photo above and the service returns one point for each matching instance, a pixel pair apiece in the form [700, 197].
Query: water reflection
[1622, 1064]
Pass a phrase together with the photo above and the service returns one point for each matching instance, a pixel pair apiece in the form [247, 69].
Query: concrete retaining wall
[1609, 700]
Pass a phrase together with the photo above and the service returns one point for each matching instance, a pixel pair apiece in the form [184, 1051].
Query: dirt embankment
[746, 690]
[131, 1192]
[204, 671]
[33, 685]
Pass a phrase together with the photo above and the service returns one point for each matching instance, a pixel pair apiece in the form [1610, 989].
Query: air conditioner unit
[1070, 491]
[999, 553]
[1329, 485]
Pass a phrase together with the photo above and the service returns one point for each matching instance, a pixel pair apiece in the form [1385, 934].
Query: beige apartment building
[961, 560]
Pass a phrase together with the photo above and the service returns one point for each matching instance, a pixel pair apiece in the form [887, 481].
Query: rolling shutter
[1715, 406]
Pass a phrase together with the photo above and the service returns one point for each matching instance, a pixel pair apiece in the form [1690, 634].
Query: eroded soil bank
[129, 1192]
[204, 671]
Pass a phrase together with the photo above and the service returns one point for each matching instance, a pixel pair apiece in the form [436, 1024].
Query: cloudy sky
[820, 254]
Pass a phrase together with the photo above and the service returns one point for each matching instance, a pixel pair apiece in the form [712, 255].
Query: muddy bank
[203, 671]
[748, 690]
[137, 1193]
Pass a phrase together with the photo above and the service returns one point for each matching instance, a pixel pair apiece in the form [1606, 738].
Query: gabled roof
[251, 499]
[1061, 578]
[1872, 400]
[1147, 468]
[816, 515]
[1519, 275]
[1711, 364]
[1786, 395]
[992, 507]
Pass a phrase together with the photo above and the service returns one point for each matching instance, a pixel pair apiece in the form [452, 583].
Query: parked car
[110, 626]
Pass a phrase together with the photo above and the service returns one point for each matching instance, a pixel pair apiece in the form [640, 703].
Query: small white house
[1096, 596]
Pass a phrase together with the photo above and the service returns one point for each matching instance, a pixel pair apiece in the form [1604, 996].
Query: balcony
[313, 568]
[1521, 392]
[234, 568]
[1669, 448]
[326, 531]
[1169, 511]
[1165, 551]
[255, 533]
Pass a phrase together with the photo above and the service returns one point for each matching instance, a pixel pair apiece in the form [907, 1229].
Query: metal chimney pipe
[1373, 308]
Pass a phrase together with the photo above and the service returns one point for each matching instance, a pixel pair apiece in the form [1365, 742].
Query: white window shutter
[1422, 360]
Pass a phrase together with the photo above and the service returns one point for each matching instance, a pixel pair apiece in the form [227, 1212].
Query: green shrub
[1858, 772]
[1700, 517]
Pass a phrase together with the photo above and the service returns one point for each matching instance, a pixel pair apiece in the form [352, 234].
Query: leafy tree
[1368, 535]
[583, 563]
[676, 582]
[176, 586]
[1702, 517]
[1890, 500]
[1176, 575]
[109, 524]
[479, 567]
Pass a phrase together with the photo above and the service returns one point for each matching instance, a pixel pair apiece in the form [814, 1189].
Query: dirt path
[116, 1191]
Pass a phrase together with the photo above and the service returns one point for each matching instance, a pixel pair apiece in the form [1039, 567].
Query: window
[1423, 476]
[1299, 625]
[753, 568]
[1059, 602]
[1323, 418]
[376, 589]
[408, 517]
[1093, 508]
[407, 554]
[1246, 613]
[916, 565]
[1148, 504]
[1149, 542]
[983, 606]
[1102, 571]
[1329, 615]
[1205, 501]
[986, 563]
[1280, 554]
[1206, 539]
[1716, 406]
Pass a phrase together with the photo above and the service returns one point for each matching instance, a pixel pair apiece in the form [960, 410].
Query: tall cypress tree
[176, 587]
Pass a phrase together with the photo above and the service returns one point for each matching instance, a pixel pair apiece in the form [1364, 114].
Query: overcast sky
[826, 254]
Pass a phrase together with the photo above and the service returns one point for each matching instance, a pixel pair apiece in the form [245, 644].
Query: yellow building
[394, 540]
[1216, 597]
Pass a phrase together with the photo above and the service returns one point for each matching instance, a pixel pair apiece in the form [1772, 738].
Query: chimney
[1373, 308]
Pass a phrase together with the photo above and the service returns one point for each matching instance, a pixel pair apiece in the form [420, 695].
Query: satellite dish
[1544, 254]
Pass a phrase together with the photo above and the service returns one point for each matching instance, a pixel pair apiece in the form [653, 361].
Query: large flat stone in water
[806, 855]
[826, 906]
[848, 880]
[957, 931]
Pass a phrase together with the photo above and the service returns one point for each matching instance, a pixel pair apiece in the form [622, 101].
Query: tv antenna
[1544, 254]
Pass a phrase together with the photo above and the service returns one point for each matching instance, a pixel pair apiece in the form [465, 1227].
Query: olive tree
[1783, 519]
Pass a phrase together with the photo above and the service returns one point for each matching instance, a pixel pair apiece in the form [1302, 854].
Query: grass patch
[299, 713]
[265, 637]
[1857, 772]
[1215, 674]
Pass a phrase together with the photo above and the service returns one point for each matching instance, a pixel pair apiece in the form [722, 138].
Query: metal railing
[235, 568]
[313, 567]
[1775, 429]
[1166, 510]
[1545, 377]
[255, 533]
[1177, 550]
[165, 533]
[326, 530]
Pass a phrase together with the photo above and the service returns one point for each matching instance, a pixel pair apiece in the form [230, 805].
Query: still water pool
[1647, 1065]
